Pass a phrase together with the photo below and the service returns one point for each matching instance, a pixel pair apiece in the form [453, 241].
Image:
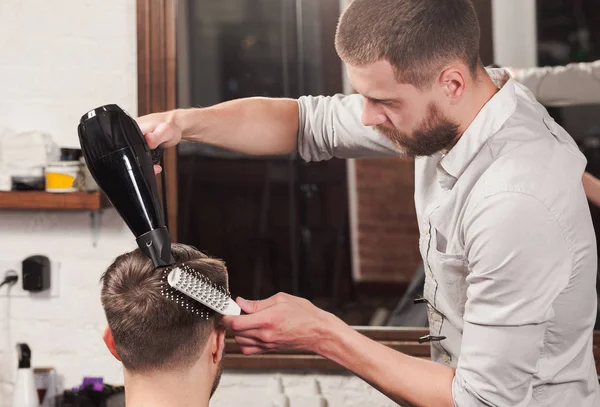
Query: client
[172, 357]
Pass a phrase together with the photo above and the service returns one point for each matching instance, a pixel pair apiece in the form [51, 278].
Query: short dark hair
[417, 37]
[150, 331]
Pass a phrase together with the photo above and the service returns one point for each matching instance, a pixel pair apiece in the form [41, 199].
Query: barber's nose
[371, 116]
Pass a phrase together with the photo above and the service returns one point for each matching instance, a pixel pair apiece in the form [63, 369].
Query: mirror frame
[157, 84]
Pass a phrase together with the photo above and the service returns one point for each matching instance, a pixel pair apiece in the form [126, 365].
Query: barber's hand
[159, 129]
[280, 322]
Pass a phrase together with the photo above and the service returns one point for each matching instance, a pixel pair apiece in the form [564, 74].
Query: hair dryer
[121, 163]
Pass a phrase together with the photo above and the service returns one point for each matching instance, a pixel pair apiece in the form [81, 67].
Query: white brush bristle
[202, 290]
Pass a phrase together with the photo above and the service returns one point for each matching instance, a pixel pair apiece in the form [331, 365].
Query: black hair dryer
[121, 163]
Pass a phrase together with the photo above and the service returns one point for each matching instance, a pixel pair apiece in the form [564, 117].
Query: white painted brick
[58, 60]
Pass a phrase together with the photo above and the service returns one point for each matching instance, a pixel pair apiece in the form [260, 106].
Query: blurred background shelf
[60, 201]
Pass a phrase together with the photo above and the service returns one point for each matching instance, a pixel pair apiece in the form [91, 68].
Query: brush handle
[232, 308]
[201, 290]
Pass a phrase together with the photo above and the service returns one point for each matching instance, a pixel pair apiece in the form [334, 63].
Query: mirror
[342, 234]
[281, 224]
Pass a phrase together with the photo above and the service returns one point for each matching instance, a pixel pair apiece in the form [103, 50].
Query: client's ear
[218, 343]
[110, 342]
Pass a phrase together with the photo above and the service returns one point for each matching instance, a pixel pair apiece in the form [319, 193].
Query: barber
[506, 234]
[553, 86]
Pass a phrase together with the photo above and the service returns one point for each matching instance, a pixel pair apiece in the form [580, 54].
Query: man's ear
[110, 342]
[453, 81]
[218, 343]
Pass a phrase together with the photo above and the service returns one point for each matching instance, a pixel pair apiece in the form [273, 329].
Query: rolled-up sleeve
[573, 84]
[519, 262]
[330, 126]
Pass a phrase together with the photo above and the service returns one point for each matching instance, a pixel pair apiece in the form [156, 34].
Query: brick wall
[60, 59]
[385, 225]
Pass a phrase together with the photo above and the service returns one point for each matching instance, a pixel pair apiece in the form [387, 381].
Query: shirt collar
[488, 121]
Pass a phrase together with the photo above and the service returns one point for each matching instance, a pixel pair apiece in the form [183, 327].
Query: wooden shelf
[45, 200]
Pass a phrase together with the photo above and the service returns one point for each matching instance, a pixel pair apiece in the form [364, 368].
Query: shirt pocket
[450, 271]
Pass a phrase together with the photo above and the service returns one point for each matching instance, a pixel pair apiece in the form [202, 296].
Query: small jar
[63, 176]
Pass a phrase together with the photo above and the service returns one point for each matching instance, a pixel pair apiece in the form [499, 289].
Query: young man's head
[414, 62]
[153, 335]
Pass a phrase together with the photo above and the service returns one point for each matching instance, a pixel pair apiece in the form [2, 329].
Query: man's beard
[217, 377]
[434, 134]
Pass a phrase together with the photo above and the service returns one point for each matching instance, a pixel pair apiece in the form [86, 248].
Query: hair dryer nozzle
[156, 244]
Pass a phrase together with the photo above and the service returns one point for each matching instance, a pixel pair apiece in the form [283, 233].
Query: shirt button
[435, 317]
[446, 358]
[425, 231]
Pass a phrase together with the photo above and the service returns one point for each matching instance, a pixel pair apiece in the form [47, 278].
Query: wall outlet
[17, 289]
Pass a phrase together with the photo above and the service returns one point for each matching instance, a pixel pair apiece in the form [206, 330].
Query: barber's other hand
[159, 129]
[278, 323]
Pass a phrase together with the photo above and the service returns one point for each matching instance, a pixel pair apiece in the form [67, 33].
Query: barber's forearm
[409, 381]
[257, 126]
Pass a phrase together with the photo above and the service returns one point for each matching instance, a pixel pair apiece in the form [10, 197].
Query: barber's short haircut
[417, 37]
[152, 332]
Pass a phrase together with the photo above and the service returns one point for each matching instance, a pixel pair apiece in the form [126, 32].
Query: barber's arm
[573, 84]
[319, 128]
[519, 264]
[287, 322]
[331, 126]
[255, 126]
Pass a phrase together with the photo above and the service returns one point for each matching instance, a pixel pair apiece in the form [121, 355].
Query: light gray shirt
[573, 84]
[507, 242]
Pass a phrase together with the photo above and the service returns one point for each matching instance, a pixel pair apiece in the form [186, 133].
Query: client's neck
[188, 388]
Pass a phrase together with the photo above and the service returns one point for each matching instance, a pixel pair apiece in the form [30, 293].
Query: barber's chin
[403, 155]
[402, 151]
